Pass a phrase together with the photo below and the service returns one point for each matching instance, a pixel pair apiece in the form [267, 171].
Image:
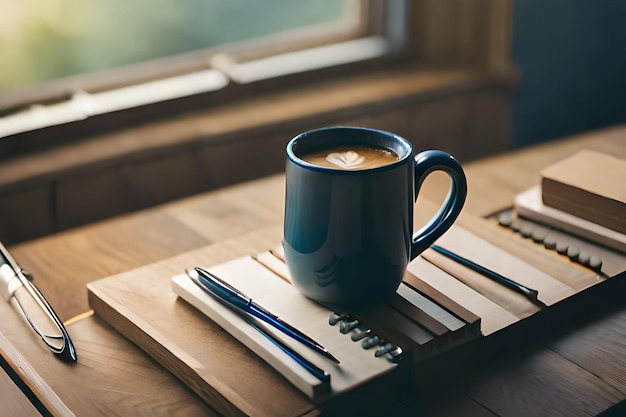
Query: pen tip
[331, 357]
[68, 354]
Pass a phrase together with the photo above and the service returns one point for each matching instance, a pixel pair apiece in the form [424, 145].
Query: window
[55, 39]
[114, 139]
[79, 59]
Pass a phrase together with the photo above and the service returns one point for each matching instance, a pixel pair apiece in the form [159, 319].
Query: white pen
[30, 303]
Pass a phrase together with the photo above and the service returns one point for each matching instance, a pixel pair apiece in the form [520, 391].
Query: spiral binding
[359, 332]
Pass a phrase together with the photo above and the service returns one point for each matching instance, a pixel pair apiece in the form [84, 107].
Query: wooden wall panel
[468, 32]
[159, 178]
[91, 195]
[467, 126]
[27, 213]
[469, 123]
[489, 125]
[250, 156]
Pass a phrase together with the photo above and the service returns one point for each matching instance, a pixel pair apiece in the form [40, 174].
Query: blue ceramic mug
[348, 228]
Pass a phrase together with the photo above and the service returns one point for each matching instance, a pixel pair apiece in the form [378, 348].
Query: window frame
[67, 101]
[433, 33]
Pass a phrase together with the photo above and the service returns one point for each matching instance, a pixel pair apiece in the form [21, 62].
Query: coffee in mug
[351, 158]
[348, 227]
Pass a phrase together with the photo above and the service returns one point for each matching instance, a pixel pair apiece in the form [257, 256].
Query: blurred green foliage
[42, 40]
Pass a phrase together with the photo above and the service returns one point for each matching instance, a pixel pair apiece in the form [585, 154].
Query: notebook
[589, 185]
[529, 204]
[412, 324]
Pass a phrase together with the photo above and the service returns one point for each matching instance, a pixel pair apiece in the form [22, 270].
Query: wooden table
[578, 370]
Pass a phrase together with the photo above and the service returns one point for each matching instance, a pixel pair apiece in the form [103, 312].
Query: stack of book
[584, 195]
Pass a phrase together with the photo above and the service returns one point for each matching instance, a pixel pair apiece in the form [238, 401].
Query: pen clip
[223, 289]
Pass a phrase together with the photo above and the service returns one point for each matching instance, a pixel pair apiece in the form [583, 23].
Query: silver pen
[33, 307]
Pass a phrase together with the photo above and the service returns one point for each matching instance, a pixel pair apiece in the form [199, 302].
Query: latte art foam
[347, 160]
[350, 158]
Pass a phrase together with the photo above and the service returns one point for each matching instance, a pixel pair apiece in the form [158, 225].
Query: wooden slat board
[493, 317]
[481, 307]
[141, 305]
[412, 309]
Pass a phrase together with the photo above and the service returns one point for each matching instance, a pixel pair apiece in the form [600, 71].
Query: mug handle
[425, 163]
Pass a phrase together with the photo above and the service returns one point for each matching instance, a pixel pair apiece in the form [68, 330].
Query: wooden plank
[439, 297]
[233, 390]
[432, 309]
[516, 390]
[599, 348]
[453, 406]
[418, 316]
[274, 264]
[109, 369]
[492, 316]
[63, 265]
[13, 400]
[37, 385]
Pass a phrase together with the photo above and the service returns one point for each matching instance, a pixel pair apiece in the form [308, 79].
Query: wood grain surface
[13, 400]
[571, 371]
[37, 386]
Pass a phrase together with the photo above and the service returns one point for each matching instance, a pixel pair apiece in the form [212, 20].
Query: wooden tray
[141, 305]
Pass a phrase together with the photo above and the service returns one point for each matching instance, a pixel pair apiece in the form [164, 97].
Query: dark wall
[571, 55]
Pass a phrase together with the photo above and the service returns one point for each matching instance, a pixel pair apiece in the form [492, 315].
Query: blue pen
[316, 371]
[232, 296]
[529, 293]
